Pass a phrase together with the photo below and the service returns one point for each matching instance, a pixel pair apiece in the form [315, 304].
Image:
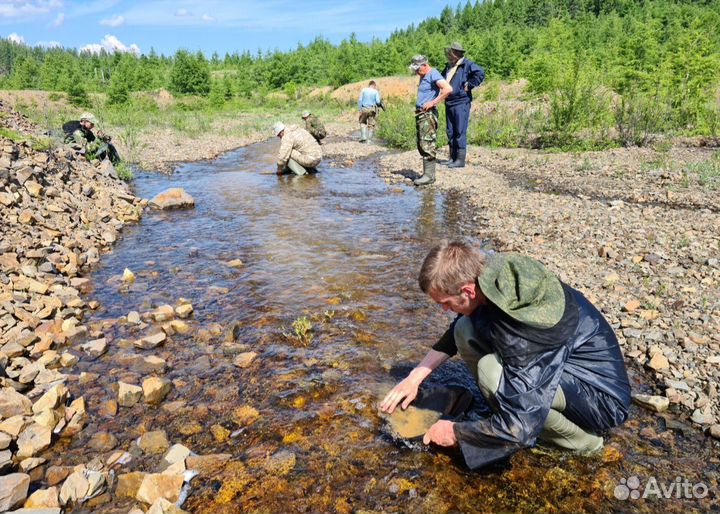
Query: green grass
[396, 125]
[706, 173]
[124, 171]
[37, 143]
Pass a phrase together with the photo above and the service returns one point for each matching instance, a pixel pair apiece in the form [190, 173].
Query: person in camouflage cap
[94, 146]
[546, 360]
[314, 126]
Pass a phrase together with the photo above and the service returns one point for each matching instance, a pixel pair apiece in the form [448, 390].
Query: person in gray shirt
[432, 89]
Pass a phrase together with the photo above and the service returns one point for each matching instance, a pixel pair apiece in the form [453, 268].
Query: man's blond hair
[449, 265]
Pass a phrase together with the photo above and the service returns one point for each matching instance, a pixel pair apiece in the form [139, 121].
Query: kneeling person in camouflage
[299, 152]
[95, 146]
[314, 126]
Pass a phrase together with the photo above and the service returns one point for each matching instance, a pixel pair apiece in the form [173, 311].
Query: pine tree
[190, 74]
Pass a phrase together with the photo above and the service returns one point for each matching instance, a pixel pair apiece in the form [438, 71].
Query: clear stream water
[342, 249]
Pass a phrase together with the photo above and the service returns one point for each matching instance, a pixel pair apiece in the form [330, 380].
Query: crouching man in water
[545, 359]
[299, 152]
[96, 146]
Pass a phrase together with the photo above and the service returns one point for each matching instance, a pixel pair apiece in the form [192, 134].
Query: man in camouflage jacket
[314, 126]
[95, 146]
[298, 149]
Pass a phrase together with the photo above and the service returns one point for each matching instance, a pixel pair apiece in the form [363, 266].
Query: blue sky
[212, 25]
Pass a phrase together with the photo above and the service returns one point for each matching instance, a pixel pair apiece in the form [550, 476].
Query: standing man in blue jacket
[464, 76]
[543, 356]
[368, 103]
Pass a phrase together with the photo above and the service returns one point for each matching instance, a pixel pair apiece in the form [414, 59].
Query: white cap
[278, 127]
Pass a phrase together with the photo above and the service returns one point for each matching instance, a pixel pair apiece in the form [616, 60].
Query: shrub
[190, 74]
[396, 126]
[637, 118]
[124, 171]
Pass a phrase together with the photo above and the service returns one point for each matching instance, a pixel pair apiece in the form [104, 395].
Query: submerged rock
[155, 486]
[154, 442]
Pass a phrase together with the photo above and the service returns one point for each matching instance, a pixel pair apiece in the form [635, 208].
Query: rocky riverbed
[77, 434]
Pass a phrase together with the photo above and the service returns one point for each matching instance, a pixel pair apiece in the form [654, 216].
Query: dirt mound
[390, 87]
[320, 91]
[53, 100]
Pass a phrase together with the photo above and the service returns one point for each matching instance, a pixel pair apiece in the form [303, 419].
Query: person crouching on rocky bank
[546, 360]
[94, 146]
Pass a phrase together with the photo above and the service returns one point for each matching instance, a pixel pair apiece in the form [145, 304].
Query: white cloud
[49, 44]
[59, 19]
[16, 38]
[181, 13]
[115, 21]
[110, 44]
[207, 17]
[25, 8]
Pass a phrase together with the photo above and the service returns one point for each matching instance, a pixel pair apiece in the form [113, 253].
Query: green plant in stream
[301, 331]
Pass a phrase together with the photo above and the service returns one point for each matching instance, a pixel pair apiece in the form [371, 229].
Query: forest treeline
[631, 65]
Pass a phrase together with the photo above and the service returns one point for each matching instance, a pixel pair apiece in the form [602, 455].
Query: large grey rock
[13, 490]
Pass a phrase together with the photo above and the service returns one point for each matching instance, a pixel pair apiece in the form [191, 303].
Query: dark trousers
[456, 119]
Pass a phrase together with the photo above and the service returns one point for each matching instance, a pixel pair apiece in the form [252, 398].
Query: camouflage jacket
[85, 138]
[315, 127]
[299, 140]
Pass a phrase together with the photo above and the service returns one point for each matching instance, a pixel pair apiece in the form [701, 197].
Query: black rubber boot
[452, 152]
[459, 161]
[428, 176]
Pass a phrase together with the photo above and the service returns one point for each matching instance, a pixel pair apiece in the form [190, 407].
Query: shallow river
[340, 251]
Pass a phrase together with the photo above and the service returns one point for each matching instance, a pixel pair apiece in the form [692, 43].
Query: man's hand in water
[406, 389]
[441, 433]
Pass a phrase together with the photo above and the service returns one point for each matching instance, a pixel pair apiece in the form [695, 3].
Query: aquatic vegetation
[301, 331]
